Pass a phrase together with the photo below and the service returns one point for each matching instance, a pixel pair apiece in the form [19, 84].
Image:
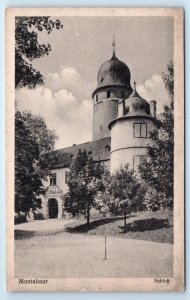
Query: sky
[145, 44]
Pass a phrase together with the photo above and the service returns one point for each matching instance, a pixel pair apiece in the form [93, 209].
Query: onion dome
[135, 105]
[113, 73]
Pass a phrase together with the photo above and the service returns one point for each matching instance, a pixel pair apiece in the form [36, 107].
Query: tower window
[138, 160]
[53, 179]
[140, 130]
[108, 94]
[107, 149]
[97, 98]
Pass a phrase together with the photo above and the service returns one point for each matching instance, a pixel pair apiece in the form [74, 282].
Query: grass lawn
[150, 226]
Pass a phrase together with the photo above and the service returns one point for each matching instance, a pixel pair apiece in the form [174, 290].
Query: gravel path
[80, 255]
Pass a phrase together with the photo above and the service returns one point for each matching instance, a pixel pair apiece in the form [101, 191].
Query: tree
[32, 137]
[84, 183]
[123, 189]
[105, 201]
[169, 83]
[158, 172]
[32, 141]
[28, 48]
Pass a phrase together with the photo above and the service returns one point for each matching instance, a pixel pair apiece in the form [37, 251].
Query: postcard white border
[101, 284]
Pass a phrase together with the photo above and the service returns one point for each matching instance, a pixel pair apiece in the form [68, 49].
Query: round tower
[113, 83]
[130, 131]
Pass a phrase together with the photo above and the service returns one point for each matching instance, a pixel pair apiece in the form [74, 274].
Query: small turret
[130, 131]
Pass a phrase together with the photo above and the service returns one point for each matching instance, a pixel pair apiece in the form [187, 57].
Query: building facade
[122, 121]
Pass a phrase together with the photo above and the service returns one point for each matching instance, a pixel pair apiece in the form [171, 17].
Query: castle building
[122, 121]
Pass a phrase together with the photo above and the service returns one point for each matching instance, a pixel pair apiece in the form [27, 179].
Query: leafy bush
[20, 218]
[38, 216]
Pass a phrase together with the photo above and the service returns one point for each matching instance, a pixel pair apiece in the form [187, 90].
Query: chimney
[153, 108]
[121, 108]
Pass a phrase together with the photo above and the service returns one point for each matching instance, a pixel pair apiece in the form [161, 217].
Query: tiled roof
[61, 158]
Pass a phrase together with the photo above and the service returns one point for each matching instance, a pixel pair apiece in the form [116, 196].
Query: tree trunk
[88, 215]
[125, 218]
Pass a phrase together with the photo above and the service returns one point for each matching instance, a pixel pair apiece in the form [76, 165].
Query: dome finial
[113, 44]
[134, 93]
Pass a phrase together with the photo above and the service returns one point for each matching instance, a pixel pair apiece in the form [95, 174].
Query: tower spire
[113, 44]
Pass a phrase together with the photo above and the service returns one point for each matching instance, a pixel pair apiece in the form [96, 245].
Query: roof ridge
[77, 145]
[72, 146]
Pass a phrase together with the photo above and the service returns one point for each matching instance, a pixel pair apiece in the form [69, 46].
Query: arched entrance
[53, 208]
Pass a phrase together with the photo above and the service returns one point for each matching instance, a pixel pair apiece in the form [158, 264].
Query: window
[97, 98]
[53, 179]
[138, 160]
[66, 177]
[39, 203]
[107, 149]
[140, 130]
[108, 94]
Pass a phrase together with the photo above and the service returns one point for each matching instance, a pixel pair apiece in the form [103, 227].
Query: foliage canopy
[32, 141]
[28, 48]
[158, 172]
[85, 180]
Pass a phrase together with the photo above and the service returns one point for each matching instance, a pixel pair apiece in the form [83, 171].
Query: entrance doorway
[53, 208]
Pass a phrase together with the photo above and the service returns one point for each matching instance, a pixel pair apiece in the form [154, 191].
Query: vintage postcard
[95, 149]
